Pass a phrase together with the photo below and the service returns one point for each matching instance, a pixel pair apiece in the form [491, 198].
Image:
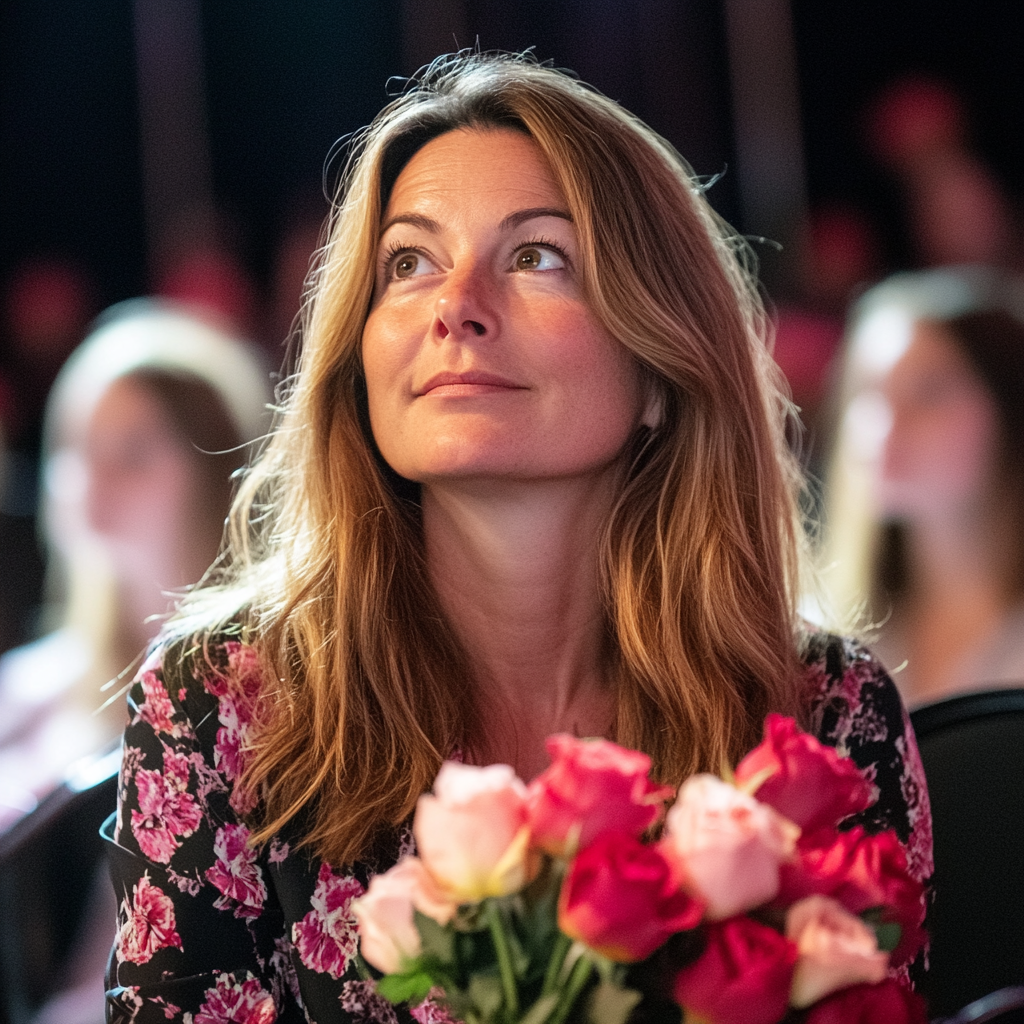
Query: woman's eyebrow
[513, 220]
[415, 219]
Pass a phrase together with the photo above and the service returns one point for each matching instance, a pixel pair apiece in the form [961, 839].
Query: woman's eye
[536, 257]
[407, 264]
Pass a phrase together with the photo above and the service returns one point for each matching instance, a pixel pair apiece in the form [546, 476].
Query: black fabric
[48, 862]
[973, 753]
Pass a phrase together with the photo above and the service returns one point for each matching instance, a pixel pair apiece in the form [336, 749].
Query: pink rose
[472, 834]
[727, 845]
[742, 977]
[836, 950]
[804, 780]
[860, 872]
[592, 787]
[387, 926]
[890, 1002]
[623, 900]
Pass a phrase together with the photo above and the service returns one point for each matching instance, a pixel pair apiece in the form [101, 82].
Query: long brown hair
[700, 555]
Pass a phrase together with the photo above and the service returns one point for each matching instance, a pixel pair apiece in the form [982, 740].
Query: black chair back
[973, 752]
[49, 861]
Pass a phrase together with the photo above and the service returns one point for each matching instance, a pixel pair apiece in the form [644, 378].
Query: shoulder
[187, 675]
[200, 693]
[854, 706]
[851, 699]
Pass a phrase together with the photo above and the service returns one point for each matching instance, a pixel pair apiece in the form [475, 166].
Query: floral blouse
[212, 931]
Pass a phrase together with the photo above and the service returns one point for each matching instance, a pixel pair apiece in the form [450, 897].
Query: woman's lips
[462, 384]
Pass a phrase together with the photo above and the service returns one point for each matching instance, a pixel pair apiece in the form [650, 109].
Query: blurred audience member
[958, 212]
[925, 493]
[143, 428]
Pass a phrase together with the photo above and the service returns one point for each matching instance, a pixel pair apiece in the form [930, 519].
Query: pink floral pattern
[148, 923]
[233, 1002]
[237, 691]
[430, 1012]
[236, 873]
[361, 1000]
[167, 809]
[157, 709]
[273, 926]
[327, 938]
[170, 1010]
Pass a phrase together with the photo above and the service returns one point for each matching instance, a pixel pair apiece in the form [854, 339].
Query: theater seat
[52, 874]
[972, 747]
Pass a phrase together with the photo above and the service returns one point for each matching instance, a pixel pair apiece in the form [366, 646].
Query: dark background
[284, 80]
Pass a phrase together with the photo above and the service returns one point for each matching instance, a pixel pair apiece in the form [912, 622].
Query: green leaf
[485, 992]
[408, 987]
[438, 941]
[887, 933]
[610, 1004]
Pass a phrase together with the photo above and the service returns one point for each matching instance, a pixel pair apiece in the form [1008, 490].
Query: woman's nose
[466, 305]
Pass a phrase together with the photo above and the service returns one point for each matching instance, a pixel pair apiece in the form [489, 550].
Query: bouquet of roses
[746, 904]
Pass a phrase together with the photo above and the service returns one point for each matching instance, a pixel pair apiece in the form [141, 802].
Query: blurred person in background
[924, 508]
[143, 429]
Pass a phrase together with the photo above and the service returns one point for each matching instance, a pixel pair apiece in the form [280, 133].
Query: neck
[953, 559]
[955, 604]
[516, 571]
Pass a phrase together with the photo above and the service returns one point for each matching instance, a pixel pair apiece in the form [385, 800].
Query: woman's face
[937, 456]
[141, 488]
[482, 358]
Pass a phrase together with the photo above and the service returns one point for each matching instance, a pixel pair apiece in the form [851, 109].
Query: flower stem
[579, 977]
[561, 947]
[508, 977]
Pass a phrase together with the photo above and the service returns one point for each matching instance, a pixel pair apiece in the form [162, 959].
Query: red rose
[742, 977]
[860, 872]
[889, 1001]
[623, 900]
[592, 787]
[804, 780]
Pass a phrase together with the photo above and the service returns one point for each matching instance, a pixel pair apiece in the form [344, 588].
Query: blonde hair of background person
[170, 357]
[973, 319]
[700, 555]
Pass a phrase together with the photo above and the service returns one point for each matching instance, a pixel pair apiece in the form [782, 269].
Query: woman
[143, 430]
[926, 491]
[529, 477]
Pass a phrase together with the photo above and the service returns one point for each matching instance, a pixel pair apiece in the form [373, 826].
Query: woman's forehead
[480, 167]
